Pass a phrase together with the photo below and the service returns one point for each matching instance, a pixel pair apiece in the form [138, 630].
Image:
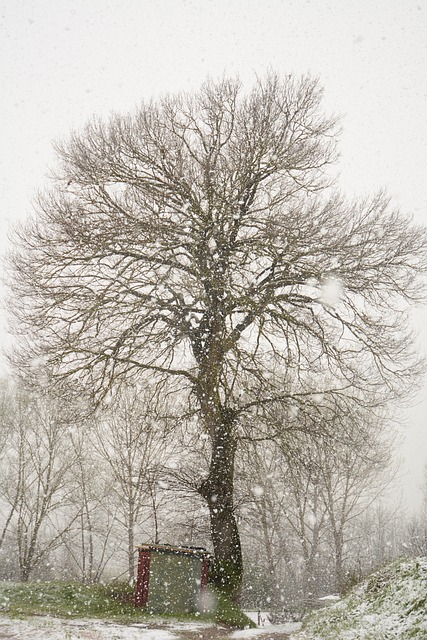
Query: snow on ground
[46, 628]
[261, 616]
[189, 626]
[270, 630]
[390, 605]
[265, 628]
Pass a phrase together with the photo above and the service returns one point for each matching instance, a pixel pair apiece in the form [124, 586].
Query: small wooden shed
[171, 579]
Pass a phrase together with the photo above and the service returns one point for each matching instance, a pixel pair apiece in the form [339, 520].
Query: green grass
[229, 614]
[76, 600]
[67, 600]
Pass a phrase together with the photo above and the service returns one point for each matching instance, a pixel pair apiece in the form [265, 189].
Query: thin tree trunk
[339, 563]
[131, 546]
[7, 523]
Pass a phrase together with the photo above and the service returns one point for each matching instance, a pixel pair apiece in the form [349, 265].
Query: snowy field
[47, 628]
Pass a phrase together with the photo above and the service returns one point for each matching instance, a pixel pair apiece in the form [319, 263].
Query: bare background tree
[90, 544]
[38, 481]
[417, 526]
[293, 495]
[197, 244]
[133, 442]
[10, 422]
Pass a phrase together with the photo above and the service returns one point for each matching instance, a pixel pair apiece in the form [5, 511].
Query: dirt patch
[206, 633]
[273, 635]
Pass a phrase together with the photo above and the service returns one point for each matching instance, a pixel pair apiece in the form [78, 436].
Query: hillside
[390, 604]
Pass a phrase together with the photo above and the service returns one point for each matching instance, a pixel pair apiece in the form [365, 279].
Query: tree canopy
[198, 241]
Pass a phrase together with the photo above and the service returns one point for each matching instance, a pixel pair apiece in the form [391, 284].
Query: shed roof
[198, 552]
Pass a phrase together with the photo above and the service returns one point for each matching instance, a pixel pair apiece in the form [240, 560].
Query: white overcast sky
[61, 61]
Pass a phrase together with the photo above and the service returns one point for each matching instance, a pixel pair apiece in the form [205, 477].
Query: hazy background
[61, 61]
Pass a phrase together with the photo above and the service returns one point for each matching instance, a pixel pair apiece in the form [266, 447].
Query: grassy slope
[391, 604]
[71, 600]
[65, 600]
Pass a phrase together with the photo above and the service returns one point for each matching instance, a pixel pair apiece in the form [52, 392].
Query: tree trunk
[217, 490]
[25, 573]
[7, 523]
[339, 563]
[131, 547]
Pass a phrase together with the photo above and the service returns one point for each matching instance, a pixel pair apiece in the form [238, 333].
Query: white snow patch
[46, 628]
[189, 626]
[331, 598]
[288, 627]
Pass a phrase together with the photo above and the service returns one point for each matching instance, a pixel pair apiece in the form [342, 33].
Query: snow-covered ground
[47, 628]
[390, 605]
[265, 627]
[270, 630]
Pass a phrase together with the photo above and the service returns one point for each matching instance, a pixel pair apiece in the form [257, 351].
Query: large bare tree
[197, 241]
